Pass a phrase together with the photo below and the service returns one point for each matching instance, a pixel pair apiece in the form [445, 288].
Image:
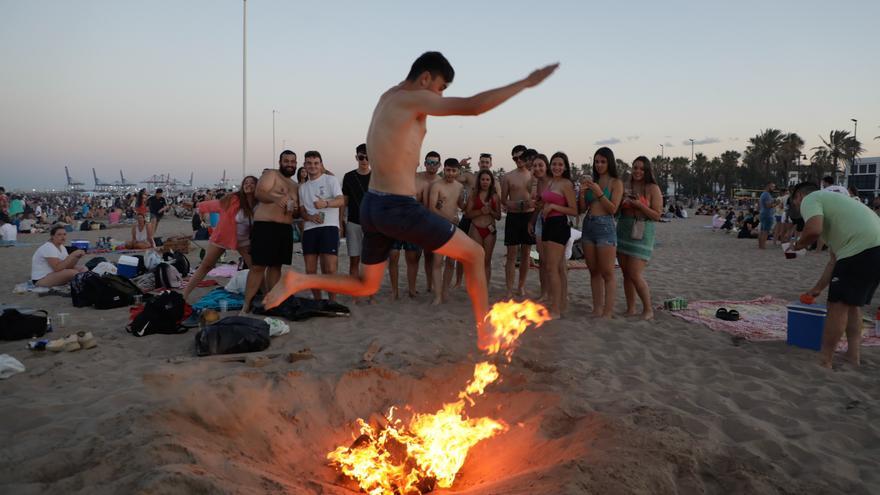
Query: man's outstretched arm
[431, 103]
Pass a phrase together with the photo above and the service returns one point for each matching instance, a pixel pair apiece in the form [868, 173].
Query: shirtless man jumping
[272, 232]
[389, 210]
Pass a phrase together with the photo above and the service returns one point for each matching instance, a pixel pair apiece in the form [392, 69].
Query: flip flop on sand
[727, 315]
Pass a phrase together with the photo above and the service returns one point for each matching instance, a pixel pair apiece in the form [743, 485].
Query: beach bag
[15, 325]
[92, 263]
[179, 260]
[82, 291]
[231, 335]
[167, 276]
[145, 282]
[112, 291]
[162, 314]
[638, 230]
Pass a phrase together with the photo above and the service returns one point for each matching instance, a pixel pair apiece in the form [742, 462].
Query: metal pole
[852, 161]
[243, 88]
[692, 152]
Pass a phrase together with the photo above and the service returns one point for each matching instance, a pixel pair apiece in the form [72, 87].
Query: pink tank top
[554, 198]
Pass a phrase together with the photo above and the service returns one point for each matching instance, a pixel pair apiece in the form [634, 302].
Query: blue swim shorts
[386, 218]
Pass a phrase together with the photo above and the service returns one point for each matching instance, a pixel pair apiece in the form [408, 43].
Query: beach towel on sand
[761, 320]
[212, 299]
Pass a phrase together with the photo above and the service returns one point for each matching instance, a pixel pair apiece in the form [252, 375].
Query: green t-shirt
[848, 226]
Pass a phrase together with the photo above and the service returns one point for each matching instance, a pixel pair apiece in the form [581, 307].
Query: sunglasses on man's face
[362, 157]
[432, 163]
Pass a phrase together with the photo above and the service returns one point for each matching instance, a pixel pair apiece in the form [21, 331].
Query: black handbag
[15, 325]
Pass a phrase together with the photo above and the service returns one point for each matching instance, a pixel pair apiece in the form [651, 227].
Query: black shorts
[855, 279]
[321, 240]
[516, 230]
[271, 243]
[386, 218]
[556, 229]
[465, 225]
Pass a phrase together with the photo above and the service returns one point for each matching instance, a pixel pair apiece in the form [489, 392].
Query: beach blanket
[761, 320]
[61, 290]
[212, 299]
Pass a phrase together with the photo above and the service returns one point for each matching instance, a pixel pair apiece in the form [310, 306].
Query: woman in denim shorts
[600, 199]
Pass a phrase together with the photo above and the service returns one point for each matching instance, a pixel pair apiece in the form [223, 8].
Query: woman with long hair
[233, 231]
[602, 194]
[140, 202]
[559, 202]
[642, 206]
[540, 180]
[484, 209]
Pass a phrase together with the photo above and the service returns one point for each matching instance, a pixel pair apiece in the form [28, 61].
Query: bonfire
[414, 457]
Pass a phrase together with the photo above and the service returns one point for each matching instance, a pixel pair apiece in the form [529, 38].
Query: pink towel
[763, 319]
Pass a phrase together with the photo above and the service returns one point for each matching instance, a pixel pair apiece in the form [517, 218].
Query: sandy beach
[599, 407]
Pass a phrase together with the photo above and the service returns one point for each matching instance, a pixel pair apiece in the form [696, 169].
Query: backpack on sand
[15, 325]
[167, 276]
[178, 260]
[112, 291]
[162, 314]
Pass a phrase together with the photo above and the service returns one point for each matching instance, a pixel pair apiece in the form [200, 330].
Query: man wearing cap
[852, 232]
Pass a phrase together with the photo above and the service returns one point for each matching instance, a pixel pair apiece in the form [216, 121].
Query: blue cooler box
[127, 266]
[805, 325]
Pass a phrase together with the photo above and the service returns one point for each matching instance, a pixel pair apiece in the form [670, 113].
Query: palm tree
[791, 150]
[764, 149]
[840, 145]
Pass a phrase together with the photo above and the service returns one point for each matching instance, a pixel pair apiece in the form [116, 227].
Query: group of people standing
[539, 198]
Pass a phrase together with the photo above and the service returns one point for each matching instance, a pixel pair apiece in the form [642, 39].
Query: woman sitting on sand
[484, 208]
[559, 202]
[233, 230]
[540, 164]
[51, 265]
[639, 210]
[602, 193]
[141, 234]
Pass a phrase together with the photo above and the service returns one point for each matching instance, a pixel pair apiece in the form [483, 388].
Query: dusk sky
[155, 87]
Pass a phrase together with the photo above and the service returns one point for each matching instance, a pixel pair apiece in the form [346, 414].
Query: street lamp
[852, 160]
[243, 87]
[692, 151]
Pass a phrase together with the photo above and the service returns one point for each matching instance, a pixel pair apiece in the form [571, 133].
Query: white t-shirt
[8, 232]
[39, 266]
[26, 224]
[324, 187]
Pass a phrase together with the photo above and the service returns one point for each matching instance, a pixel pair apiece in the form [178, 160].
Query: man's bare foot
[826, 363]
[286, 287]
[484, 335]
[413, 294]
[457, 284]
[631, 312]
[648, 314]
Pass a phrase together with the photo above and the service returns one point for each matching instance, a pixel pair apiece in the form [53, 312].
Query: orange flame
[411, 459]
[508, 320]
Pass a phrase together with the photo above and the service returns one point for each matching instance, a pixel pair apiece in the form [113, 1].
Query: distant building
[865, 176]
